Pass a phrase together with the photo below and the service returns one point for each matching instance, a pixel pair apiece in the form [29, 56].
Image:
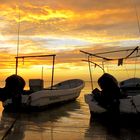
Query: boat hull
[129, 105]
[61, 92]
[47, 97]
[130, 87]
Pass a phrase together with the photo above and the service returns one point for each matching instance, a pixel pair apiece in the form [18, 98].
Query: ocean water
[70, 121]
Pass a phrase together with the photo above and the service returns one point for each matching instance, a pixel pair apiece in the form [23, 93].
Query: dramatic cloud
[66, 26]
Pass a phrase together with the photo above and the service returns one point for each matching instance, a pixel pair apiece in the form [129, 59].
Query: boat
[129, 105]
[129, 101]
[37, 97]
[130, 86]
[41, 98]
[61, 92]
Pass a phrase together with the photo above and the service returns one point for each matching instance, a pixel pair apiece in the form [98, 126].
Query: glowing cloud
[63, 27]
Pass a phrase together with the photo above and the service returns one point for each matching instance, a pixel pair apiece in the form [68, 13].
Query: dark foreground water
[69, 121]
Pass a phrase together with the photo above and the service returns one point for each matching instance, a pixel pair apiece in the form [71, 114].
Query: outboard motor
[12, 91]
[107, 81]
[110, 93]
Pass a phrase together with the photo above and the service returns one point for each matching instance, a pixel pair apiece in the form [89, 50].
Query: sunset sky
[63, 27]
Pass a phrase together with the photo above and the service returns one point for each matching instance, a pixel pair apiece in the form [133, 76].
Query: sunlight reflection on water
[69, 121]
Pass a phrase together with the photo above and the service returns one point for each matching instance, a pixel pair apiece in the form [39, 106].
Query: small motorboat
[14, 97]
[131, 86]
[128, 100]
[130, 104]
[39, 97]
[129, 90]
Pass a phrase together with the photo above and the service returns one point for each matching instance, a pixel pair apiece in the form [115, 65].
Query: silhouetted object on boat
[13, 89]
[109, 95]
[15, 82]
[36, 84]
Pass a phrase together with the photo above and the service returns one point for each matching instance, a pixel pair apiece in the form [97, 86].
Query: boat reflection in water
[102, 126]
[17, 125]
[70, 121]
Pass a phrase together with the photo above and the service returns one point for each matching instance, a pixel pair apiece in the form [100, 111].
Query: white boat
[130, 88]
[61, 92]
[37, 96]
[130, 104]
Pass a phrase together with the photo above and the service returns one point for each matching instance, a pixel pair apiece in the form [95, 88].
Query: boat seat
[35, 84]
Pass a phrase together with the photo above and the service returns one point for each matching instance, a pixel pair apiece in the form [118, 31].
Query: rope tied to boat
[134, 105]
[10, 128]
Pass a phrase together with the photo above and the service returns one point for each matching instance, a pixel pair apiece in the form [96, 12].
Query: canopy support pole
[91, 80]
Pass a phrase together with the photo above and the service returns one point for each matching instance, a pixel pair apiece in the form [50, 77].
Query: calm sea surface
[69, 121]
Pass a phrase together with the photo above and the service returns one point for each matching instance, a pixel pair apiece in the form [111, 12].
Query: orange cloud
[63, 27]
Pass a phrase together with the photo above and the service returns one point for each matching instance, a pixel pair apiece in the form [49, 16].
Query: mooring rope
[9, 130]
[134, 105]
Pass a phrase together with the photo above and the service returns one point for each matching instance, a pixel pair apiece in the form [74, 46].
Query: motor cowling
[13, 90]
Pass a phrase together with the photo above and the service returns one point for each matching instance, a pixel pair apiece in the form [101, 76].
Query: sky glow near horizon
[63, 28]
